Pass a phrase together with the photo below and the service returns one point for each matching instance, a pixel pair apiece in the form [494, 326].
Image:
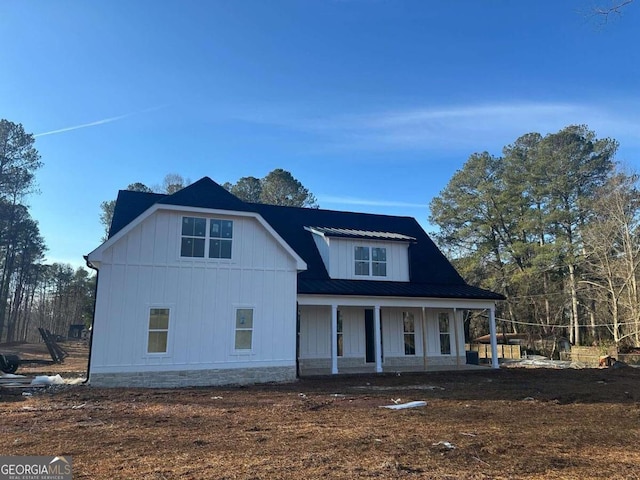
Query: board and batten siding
[144, 270]
[338, 255]
[315, 332]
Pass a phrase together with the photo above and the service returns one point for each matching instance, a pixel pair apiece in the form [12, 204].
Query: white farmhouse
[201, 288]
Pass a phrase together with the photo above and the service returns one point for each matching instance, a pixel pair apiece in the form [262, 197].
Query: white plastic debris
[402, 406]
[11, 375]
[446, 445]
[48, 380]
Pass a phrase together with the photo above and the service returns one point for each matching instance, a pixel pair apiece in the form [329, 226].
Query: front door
[370, 338]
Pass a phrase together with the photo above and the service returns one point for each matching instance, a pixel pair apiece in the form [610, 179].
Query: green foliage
[279, 187]
[515, 223]
[19, 161]
[172, 182]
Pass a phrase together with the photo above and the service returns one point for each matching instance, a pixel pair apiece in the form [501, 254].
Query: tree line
[278, 187]
[554, 225]
[32, 294]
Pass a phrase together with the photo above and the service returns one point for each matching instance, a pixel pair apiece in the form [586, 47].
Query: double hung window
[340, 335]
[445, 333]
[409, 326]
[206, 238]
[244, 329]
[370, 261]
[158, 333]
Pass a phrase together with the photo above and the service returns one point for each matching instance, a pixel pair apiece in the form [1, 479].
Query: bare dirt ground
[511, 423]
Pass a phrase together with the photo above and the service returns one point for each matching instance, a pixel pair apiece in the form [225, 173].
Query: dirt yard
[512, 423]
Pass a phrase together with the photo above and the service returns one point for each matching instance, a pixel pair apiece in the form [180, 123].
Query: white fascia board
[360, 301]
[96, 255]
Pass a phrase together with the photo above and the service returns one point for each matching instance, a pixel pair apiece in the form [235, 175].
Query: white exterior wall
[342, 259]
[143, 270]
[338, 255]
[393, 331]
[315, 332]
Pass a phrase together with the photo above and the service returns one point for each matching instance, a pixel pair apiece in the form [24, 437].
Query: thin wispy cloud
[335, 200]
[98, 122]
[454, 127]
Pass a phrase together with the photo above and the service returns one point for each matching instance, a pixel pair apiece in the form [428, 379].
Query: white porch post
[424, 338]
[494, 340]
[378, 338]
[455, 335]
[334, 339]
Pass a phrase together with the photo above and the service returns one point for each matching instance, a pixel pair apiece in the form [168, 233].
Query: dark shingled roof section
[432, 275]
[128, 206]
[206, 193]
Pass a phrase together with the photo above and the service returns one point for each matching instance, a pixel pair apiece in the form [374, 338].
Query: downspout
[95, 299]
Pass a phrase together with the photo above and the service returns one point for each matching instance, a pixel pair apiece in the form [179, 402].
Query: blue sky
[371, 104]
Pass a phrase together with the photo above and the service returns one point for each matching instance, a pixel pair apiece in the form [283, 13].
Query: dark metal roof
[363, 234]
[393, 289]
[431, 274]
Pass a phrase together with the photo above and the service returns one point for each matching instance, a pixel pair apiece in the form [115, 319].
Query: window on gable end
[206, 238]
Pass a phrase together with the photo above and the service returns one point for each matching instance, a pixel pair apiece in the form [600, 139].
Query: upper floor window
[206, 238]
[371, 261]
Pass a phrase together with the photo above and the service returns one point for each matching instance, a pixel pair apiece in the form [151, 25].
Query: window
[193, 236]
[379, 262]
[372, 260]
[244, 328]
[201, 242]
[221, 233]
[362, 261]
[340, 335]
[409, 326]
[445, 334]
[157, 340]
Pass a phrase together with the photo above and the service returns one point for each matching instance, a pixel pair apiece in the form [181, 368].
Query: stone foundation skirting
[322, 366]
[194, 378]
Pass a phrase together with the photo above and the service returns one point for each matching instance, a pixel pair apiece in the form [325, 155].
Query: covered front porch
[373, 335]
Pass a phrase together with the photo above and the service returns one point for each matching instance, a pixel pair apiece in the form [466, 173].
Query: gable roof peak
[206, 193]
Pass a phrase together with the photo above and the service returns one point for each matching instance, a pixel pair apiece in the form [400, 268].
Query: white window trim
[170, 330]
[370, 262]
[243, 352]
[207, 238]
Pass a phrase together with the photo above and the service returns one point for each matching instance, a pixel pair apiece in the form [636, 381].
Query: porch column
[455, 335]
[424, 338]
[334, 339]
[378, 337]
[494, 340]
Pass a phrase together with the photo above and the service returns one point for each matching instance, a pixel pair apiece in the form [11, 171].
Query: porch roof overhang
[399, 302]
[377, 288]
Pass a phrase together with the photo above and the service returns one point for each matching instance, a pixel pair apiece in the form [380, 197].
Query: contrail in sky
[97, 122]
